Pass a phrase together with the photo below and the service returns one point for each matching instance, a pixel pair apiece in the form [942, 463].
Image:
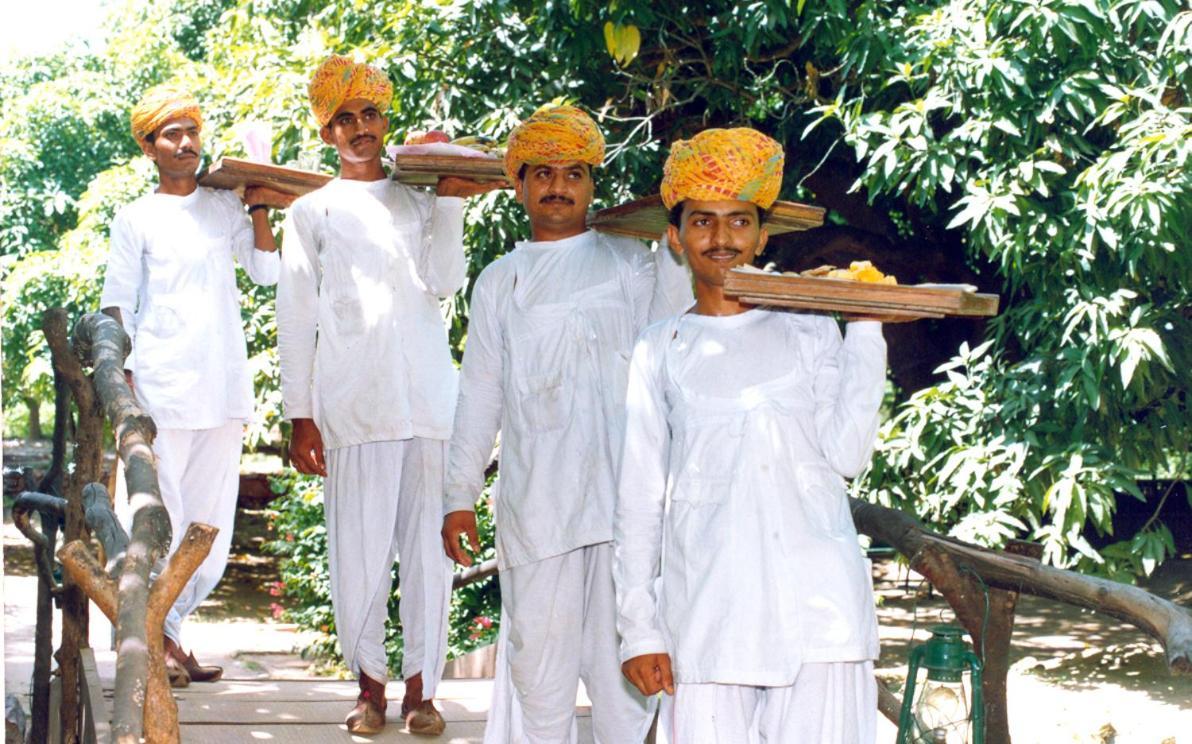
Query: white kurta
[551, 328]
[361, 335]
[740, 432]
[170, 272]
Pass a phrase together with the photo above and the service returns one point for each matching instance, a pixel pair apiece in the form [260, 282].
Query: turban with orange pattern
[158, 105]
[723, 164]
[339, 80]
[552, 135]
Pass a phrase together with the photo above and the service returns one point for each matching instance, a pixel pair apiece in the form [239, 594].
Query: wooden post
[88, 460]
[50, 509]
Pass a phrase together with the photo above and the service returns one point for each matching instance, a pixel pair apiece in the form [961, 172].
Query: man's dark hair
[151, 137]
[675, 216]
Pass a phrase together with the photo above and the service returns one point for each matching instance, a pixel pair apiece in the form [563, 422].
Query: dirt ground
[1076, 676]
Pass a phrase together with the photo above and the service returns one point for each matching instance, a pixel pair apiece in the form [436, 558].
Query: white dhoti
[198, 471]
[383, 500]
[559, 626]
[828, 704]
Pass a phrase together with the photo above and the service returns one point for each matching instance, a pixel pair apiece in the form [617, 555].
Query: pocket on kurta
[822, 497]
[545, 401]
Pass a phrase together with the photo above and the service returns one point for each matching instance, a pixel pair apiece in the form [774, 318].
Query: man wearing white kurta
[551, 327]
[742, 591]
[171, 281]
[367, 379]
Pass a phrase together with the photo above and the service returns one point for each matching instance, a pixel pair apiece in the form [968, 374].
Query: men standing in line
[368, 383]
[171, 282]
[551, 328]
[742, 425]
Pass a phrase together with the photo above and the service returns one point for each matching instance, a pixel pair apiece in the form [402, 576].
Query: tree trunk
[34, 407]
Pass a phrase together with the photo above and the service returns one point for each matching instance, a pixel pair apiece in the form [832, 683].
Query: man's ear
[325, 135]
[672, 239]
[762, 236]
[148, 148]
[518, 187]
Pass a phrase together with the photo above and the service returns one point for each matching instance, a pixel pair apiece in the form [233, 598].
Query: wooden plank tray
[424, 170]
[843, 295]
[647, 218]
[233, 173]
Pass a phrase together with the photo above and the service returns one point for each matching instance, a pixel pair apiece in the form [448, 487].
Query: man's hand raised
[306, 448]
[650, 673]
[254, 195]
[459, 523]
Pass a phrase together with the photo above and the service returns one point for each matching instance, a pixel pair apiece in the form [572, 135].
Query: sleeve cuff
[454, 501]
[302, 410]
[864, 328]
[449, 203]
[654, 644]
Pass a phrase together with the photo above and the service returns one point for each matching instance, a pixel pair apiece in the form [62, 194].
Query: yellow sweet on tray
[862, 271]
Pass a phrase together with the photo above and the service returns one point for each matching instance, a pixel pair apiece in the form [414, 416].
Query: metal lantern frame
[945, 656]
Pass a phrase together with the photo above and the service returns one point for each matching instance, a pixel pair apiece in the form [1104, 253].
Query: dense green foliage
[1039, 145]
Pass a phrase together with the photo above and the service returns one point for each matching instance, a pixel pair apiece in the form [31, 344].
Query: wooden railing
[143, 707]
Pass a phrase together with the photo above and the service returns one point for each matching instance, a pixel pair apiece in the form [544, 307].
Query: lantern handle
[978, 710]
[905, 718]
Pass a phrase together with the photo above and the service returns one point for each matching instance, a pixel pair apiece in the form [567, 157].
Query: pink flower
[276, 589]
[484, 622]
[289, 537]
[277, 610]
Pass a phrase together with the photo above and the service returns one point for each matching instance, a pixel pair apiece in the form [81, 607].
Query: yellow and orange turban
[341, 79]
[554, 134]
[723, 164]
[158, 105]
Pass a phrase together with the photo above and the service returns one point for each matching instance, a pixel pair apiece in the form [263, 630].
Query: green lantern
[942, 713]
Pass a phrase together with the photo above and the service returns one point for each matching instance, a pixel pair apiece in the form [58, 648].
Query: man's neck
[176, 185]
[370, 170]
[711, 300]
[549, 233]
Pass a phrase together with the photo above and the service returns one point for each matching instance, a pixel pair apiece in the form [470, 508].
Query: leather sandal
[424, 719]
[368, 717]
[196, 671]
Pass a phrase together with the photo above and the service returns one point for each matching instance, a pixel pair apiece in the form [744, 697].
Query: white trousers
[828, 704]
[558, 623]
[382, 500]
[198, 471]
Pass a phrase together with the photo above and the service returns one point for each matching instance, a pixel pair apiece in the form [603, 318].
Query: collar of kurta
[584, 237]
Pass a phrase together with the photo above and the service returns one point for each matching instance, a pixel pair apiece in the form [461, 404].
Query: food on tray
[858, 271]
[425, 138]
[478, 142]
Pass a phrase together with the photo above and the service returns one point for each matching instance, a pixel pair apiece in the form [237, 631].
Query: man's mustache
[184, 153]
[555, 197]
[363, 137]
